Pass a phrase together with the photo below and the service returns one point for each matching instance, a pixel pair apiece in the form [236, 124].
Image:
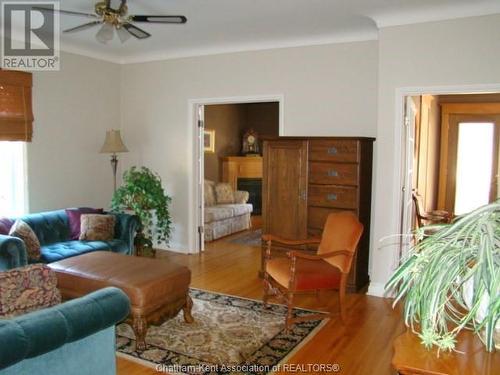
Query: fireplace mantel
[234, 167]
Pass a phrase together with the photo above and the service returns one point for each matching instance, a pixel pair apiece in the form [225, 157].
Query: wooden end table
[412, 358]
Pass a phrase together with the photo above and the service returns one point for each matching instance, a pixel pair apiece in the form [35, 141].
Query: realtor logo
[30, 35]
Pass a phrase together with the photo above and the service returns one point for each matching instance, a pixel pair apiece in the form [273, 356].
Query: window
[474, 165]
[13, 200]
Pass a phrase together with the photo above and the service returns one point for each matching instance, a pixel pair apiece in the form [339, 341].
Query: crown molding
[86, 52]
[252, 47]
[197, 52]
[465, 11]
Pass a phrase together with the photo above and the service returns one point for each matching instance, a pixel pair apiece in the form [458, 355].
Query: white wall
[328, 90]
[72, 109]
[450, 53]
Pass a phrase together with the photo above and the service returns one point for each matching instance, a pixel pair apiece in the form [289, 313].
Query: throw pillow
[23, 231]
[74, 219]
[5, 225]
[97, 227]
[224, 193]
[27, 289]
[209, 194]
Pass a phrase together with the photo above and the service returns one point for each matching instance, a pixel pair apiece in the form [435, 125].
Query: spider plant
[436, 271]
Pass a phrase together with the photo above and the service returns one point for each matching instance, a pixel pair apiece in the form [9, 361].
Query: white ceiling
[216, 26]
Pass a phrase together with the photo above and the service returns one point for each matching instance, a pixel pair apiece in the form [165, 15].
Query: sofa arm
[241, 196]
[42, 331]
[126, 228]
[12, 253]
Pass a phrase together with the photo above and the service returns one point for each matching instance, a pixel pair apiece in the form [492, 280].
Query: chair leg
[267, 289]
[343, 282]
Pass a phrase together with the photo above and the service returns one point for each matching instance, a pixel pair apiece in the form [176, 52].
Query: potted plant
[450, 280]
[142, 193]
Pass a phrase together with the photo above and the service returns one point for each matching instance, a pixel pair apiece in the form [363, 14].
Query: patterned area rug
[251, 239]
[229, 335]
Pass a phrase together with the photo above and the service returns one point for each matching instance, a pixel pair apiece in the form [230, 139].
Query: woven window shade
[16, 113]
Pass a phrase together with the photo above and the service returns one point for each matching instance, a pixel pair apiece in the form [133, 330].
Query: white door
[201, 177]
[407, 211]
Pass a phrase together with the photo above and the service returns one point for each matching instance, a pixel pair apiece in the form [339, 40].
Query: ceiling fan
[117, 19]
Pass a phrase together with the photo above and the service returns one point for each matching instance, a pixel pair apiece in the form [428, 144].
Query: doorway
[228, 179]
[450, 165]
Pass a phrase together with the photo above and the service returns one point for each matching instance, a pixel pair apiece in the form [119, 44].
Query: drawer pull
[333, 173]
[332, 151]
[331, 197]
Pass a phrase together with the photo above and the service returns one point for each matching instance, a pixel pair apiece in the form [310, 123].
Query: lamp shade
[113, 143]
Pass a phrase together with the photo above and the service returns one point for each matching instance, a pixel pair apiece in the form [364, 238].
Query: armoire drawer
[334, 150]
[333, 196]
[316, 216]
[333, 173]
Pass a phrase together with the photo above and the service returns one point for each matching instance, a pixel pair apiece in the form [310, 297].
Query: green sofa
[75, 337]
[53, 232]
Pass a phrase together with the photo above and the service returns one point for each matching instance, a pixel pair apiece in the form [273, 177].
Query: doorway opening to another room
[450, 158]
[230, 166]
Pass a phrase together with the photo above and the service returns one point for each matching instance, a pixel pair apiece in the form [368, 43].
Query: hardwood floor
[362, 346]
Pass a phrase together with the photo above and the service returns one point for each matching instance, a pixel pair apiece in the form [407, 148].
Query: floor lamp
[113, 144]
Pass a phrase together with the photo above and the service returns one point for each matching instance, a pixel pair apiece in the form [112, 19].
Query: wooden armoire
[306, 178]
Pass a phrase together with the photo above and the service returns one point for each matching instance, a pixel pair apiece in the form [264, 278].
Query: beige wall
[72, 109]
[263, 118]
[327, 90]
[228, 121]
[436, 54]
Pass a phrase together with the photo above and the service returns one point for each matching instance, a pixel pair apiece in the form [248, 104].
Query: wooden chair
[427, 218]
[301, 272]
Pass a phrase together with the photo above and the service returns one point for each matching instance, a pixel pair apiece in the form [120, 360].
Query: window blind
[16, 113]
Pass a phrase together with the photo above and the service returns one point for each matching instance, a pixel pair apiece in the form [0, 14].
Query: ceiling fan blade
[66, 12]
[159, 19]
[82, 27]
[135, 31]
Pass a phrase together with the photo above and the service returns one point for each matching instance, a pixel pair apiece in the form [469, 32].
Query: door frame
[401, 94]
[196, 177]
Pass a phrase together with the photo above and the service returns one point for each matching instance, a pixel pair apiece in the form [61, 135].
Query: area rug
[252, 238]
[230, 335]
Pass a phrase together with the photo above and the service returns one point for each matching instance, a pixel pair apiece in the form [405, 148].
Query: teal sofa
[53, 232]
[75, 337]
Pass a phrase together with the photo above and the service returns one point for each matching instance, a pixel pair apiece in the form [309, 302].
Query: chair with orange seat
[327, 269]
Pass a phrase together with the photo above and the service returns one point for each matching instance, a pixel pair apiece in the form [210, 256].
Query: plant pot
[467, 293]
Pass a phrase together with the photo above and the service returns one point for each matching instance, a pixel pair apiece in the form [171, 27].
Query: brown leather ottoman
[157, 289]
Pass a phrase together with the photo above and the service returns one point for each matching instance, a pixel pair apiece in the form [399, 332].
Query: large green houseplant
[450, 280]
[142, 193]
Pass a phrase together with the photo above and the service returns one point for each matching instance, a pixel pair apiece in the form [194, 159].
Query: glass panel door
[475, 157]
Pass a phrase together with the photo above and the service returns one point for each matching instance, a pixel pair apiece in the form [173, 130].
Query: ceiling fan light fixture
[123, 34]
[105, 34]
[115, 18]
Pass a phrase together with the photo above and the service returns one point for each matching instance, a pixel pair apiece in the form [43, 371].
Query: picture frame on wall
[209, 140]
